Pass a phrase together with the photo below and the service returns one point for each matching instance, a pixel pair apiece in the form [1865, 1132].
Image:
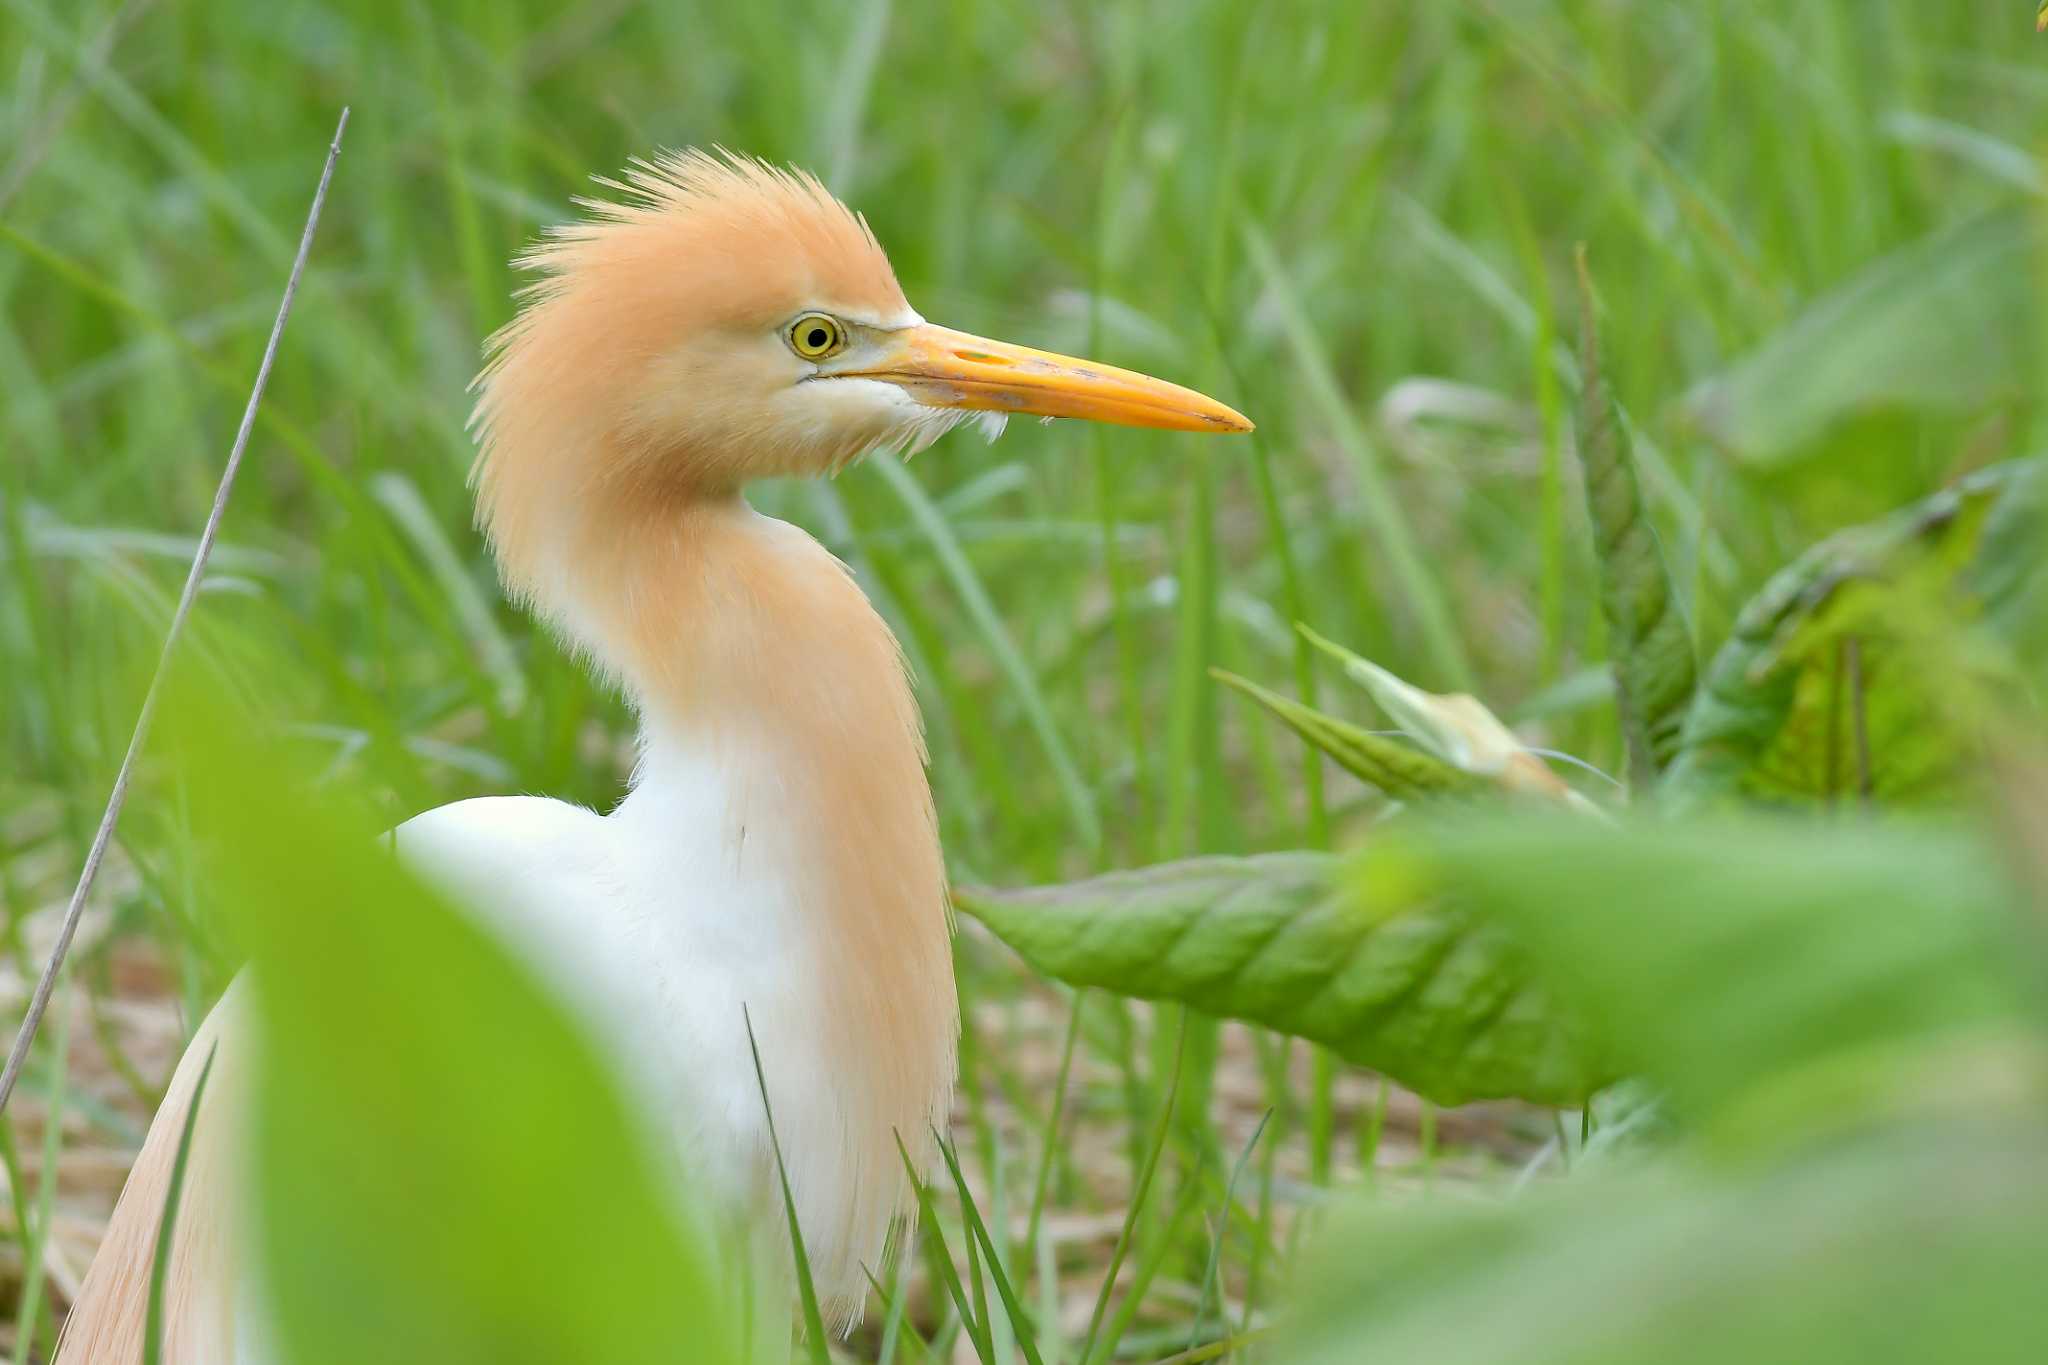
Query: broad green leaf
[1823, 690]
[1848, 1015]
[1388, 979]
[444, 1169]
[1458, 728]
[1750, 966]
[1648, 639]
[1922, 1244]
[1399, 769]
[1945, 322]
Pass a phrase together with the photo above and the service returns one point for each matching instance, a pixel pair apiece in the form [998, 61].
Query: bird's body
[776, 858]
[743, 872]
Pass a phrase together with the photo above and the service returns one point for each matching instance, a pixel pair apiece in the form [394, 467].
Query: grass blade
[977, 1330]
[1420, 592]
[896, 1326]
[35, 1235]
[1052, 1127]
[167, 1226]
[1215, 1265]
[978, 1230]
[974, 596]
[814, 1322]
[1138, 1197]
[1148, 1270]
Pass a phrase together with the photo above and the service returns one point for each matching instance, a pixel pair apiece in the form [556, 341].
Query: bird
[713, 320]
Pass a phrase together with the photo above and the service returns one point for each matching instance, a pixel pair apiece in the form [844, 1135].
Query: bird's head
[724, 321]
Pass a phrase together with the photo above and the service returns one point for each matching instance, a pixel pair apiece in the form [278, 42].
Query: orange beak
[948, 369]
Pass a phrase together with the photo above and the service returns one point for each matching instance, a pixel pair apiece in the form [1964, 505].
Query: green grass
[1307, 209]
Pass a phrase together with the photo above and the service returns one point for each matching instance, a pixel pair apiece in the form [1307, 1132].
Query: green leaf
[1847, 1018]
[1901, 1248]
[444, 1169]
[167, 1224]
[1648, 639]
[1401, 770]
[1943, 323]
[1409, 987]
[1822, 690]
[1749, 967]
[1457, 728]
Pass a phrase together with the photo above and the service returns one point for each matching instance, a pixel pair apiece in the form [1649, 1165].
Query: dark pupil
[816, 338]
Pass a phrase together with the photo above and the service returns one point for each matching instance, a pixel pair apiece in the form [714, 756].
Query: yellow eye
[816, 335]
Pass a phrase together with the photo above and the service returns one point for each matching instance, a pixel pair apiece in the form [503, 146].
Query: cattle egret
[723, 321]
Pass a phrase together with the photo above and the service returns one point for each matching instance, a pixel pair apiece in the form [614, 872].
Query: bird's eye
[815, 336]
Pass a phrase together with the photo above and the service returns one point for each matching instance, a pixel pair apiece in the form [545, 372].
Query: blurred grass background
[1814, 230]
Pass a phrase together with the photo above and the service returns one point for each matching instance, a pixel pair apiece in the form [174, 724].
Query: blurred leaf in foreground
[1941, 323]
[1386, 978]
[1828, 685]
[1752, 967]
[444, 1169]
[1911, 1246]
[1850, 1016]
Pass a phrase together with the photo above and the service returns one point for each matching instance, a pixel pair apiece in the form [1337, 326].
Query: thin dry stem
[40, 1001]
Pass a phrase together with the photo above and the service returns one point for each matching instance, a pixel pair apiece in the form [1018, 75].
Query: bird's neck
[759, 667]
[743, 640]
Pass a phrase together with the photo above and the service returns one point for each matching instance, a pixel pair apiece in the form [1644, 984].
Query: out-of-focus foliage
[1851, 1020]
[1937, 324]
[1736, 961]
[1823, 687]
[1902, 1246]
[444, 1169]
[1401, 770]
[1855, 672]
[1458, 729]
[1648, 639]
[1385, 975]
[1450, 746]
